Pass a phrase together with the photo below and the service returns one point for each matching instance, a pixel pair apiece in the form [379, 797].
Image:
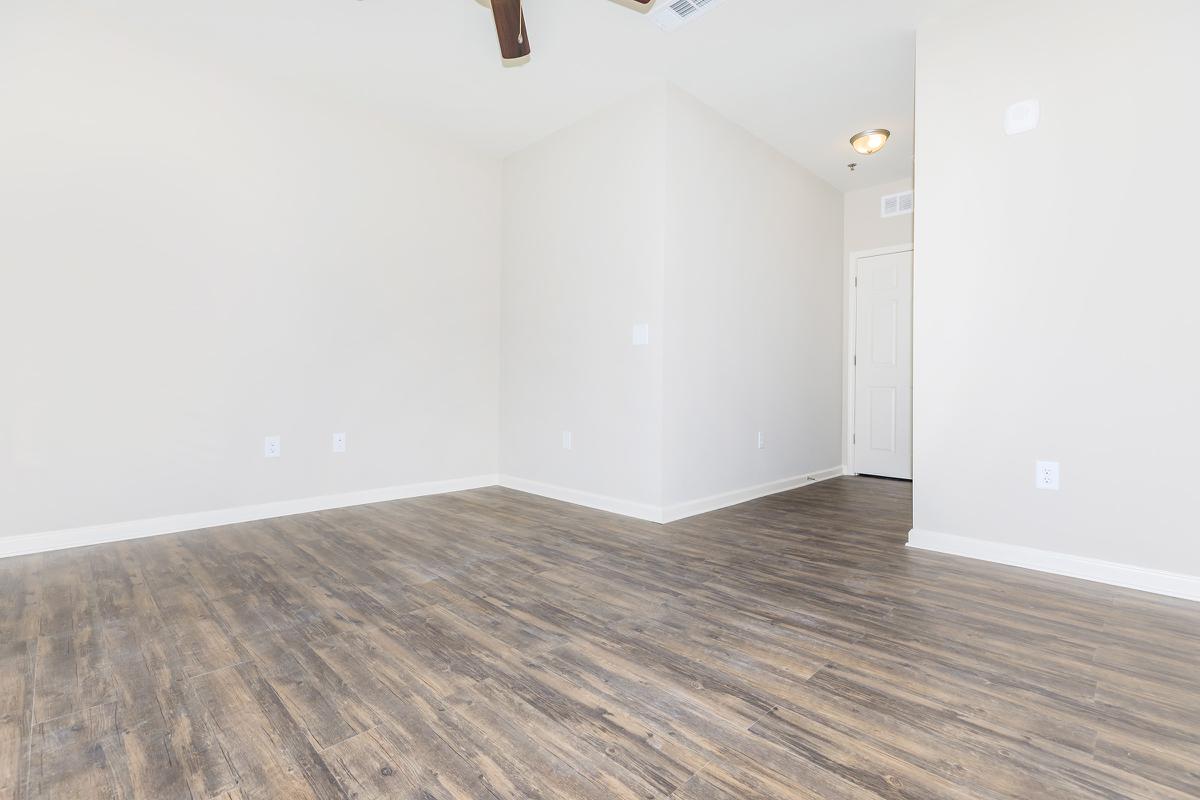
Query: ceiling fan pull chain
[520, 17]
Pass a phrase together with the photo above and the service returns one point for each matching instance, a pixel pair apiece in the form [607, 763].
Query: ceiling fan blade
[637, 5]
[510, 28]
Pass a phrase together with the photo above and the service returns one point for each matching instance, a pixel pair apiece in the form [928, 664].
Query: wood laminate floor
[492, 644]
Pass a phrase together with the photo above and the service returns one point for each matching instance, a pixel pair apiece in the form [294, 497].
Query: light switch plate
[641, 334]
[339, 443]
[271, 447]
[1022, 117]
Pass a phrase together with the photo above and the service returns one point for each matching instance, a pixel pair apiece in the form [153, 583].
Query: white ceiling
[801, 74]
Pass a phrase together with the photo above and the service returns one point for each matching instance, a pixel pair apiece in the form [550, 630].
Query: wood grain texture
[510, 29]
[492, 644]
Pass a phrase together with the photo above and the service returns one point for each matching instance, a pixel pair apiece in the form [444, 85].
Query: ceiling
[801, 74]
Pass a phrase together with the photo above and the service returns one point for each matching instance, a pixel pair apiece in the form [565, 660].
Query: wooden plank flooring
[492, 644]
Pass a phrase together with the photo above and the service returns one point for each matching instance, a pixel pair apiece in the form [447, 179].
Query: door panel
[883, 420]
[883, 366]
[884, 320]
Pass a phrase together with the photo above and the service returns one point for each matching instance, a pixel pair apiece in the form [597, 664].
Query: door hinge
[854, 438]
[855, 357]
[856, 280]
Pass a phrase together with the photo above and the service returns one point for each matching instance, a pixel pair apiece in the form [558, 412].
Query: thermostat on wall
[1021, 117]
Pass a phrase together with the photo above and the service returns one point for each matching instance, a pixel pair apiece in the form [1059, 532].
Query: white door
[883, 366]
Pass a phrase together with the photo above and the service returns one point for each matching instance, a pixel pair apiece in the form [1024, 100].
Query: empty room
[599, 400]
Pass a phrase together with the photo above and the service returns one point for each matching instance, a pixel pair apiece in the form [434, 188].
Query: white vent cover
[674, 14]
[893, 205]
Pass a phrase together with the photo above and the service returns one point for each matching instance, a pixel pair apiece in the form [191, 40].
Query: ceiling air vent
[894, 205]
[674, 14]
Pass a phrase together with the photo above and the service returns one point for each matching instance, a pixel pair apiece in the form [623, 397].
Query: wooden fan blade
[637, 5]
[510, 28]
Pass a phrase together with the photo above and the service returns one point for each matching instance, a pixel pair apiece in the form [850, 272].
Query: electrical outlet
[762, 441]
[271, 447]
[1047, 475]
[568, 444]
[339, 443]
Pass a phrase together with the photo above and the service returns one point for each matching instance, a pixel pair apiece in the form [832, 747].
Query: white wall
[1056, 274]
[661, 211]
[865, 228]
[753, 315]
[191, 261]
[583, 262]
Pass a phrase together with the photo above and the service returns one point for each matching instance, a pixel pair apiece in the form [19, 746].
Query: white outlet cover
[271, 447]
[641, 334]
[1022, 117]
[568, 444]
[1046, 476]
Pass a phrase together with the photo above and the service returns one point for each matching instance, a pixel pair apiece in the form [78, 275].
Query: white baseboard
[652, 513]
[600, 502]
[46, 541]
[1172, 584]
[713, 502]
[25, 544]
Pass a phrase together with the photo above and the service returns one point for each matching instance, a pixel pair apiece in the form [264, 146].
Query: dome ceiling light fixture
[869, 142]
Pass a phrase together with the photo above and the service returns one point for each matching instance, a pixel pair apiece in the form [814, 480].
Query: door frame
[851, 338]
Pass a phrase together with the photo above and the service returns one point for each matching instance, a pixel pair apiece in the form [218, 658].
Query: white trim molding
[24, 544]
[652, 513]
[600, 502]
[1172, 584]
[713, 502]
